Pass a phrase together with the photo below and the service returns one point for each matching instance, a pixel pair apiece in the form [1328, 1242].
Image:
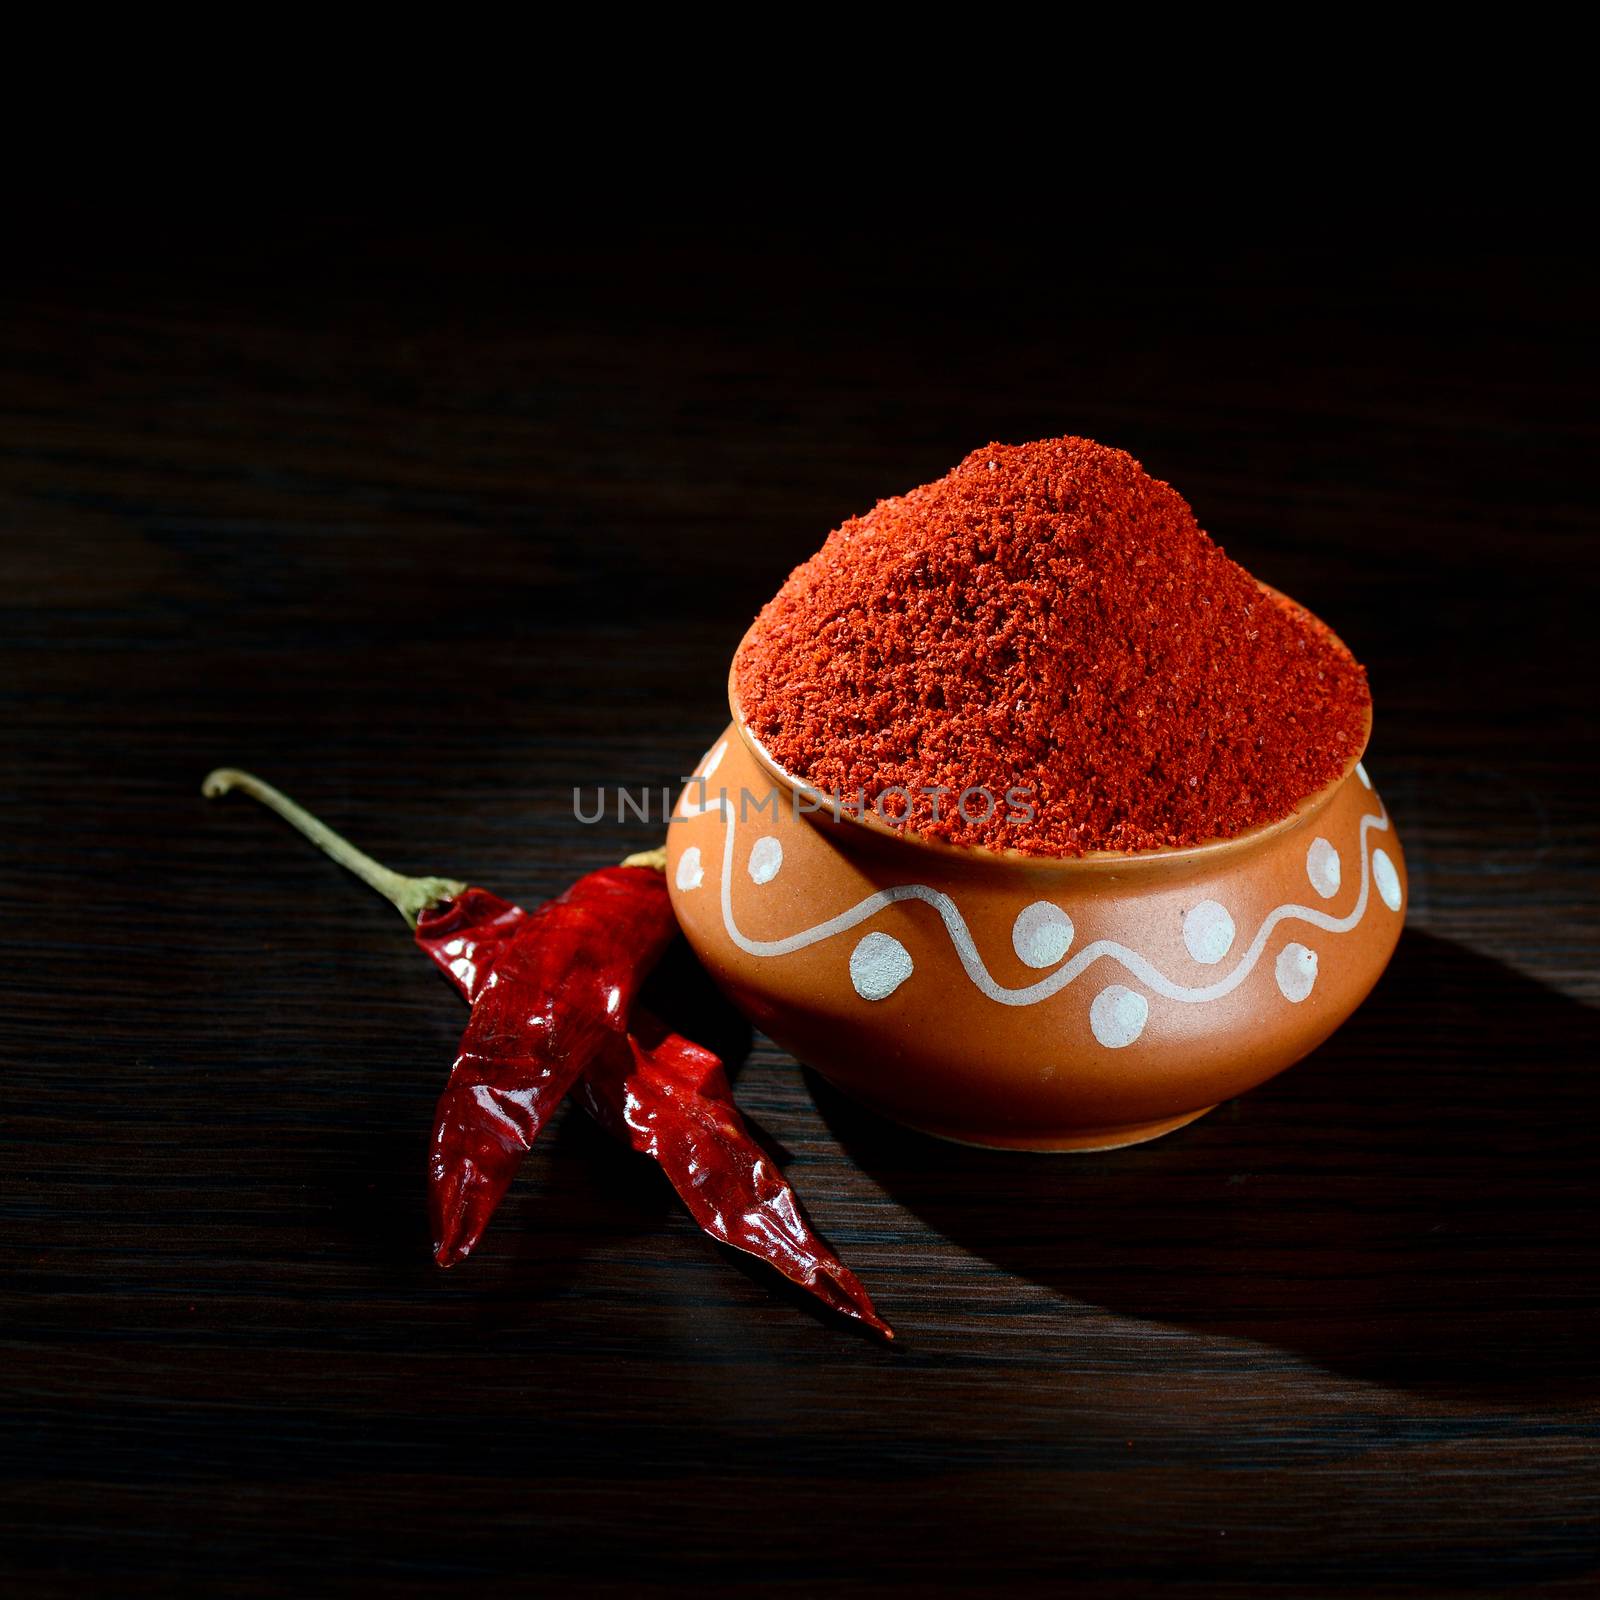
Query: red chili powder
[1049, 618]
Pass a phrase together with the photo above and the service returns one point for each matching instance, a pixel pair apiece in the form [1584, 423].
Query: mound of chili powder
[1048, 618]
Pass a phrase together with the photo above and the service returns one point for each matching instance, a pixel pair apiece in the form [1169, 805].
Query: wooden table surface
[429, 527]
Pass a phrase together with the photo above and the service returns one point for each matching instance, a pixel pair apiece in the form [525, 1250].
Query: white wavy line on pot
[1031, 994]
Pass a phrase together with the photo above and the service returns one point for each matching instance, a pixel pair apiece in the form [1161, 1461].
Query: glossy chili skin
[547, 989]
[464, 936]
[670, 1099]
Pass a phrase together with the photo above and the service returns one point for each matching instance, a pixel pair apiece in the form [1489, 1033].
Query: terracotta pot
[1023, 1001]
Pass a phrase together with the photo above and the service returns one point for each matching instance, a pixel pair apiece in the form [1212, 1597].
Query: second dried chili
[670, 1099]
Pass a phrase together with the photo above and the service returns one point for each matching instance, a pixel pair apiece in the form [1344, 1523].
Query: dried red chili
[669, 1098]
[561, 979]
[1049, 617]
[551, 992]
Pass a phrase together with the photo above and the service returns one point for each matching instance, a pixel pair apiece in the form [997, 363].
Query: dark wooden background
[429, 525]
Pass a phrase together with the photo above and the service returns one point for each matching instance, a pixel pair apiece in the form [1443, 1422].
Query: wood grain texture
[430, 528]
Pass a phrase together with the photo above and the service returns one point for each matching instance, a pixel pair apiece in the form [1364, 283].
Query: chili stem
[409, 896]
[655, 859]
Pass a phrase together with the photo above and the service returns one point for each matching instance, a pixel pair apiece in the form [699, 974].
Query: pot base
[1086, 1143]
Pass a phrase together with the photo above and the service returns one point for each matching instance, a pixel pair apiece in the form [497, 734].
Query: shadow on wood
[1307, 1216]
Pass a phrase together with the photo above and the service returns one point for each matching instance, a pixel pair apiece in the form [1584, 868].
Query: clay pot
[1022, 1001]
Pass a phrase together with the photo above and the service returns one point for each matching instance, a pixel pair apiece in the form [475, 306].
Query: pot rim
[1208, 851]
